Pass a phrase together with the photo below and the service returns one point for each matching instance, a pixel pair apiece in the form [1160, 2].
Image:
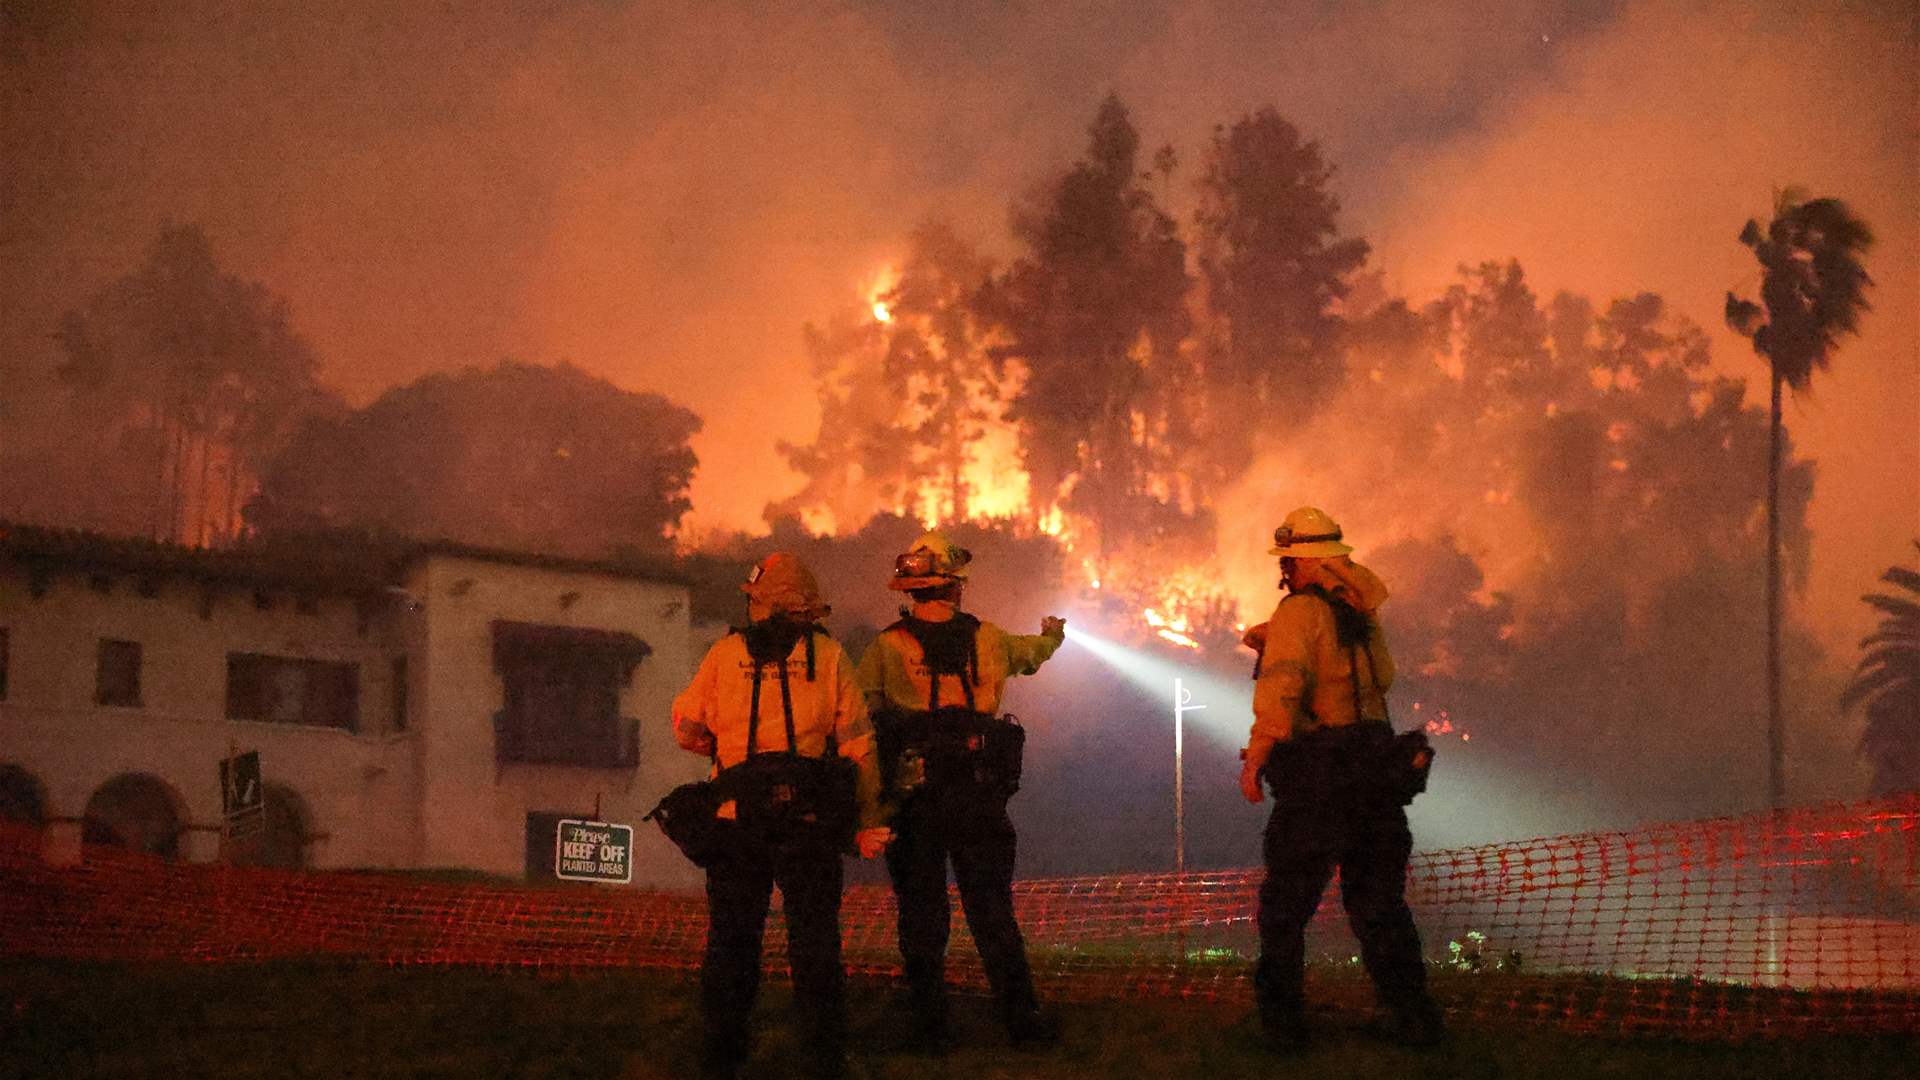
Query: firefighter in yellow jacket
[1321, 741]
[777, 688]
[933, 682]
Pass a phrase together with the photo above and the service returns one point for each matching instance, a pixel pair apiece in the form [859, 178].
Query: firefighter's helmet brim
[1316, 549]
[908, 584]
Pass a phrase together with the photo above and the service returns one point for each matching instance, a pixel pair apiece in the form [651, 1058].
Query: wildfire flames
[1168, 602]
[1172, 629]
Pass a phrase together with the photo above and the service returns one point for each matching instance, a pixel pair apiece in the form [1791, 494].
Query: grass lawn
[62, 1019]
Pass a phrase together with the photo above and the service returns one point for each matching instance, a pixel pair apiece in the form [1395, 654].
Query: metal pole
[1181, 697]
[1776, 725]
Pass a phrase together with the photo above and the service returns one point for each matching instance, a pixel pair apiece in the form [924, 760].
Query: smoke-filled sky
[663, 193]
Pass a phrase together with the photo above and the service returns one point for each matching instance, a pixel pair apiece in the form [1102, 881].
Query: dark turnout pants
[738, 893]
[981, 848]
[1328, 814]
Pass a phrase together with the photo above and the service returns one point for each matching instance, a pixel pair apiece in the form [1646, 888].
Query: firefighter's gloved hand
[872, 842]
[1053, 626]
[1250, 782]
[1255, 637]
[694, 739]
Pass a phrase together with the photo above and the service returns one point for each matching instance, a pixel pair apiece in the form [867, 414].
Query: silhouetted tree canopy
[1886, 684]
[517, 455]
[1814, 289]
[189, 379]
[1274, 269]
[1094, 311]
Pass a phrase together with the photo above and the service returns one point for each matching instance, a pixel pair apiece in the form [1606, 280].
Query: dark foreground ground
[288, 1020]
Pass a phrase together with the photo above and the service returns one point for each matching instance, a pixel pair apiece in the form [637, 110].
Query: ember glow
[1440, 723]
[1172, 629]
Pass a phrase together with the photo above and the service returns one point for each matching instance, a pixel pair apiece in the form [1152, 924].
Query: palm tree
[1814, 290]
[1888, 681]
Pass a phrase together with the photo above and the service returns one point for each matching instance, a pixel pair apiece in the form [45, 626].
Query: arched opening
[22, 800]
[136, 811]
[282, 839]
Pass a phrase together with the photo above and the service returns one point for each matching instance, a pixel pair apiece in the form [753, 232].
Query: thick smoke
[664, 194]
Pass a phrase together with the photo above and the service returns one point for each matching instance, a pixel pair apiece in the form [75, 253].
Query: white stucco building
[431, 706]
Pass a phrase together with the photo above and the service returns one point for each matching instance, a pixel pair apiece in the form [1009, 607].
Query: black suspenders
[968, 674]
[786, 705]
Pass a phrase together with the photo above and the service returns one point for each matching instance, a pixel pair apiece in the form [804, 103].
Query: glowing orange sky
[663, 193]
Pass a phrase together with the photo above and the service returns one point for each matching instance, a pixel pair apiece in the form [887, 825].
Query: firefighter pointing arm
[934, 682]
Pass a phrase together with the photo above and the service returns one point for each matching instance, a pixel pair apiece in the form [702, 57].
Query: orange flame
[1172, 629]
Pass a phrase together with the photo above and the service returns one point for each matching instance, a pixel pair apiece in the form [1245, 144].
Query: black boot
[928, 1032]
[1284, 1030]
[1031, 1029]
[1413, 1024]
[825, 1064]
[720, 1062]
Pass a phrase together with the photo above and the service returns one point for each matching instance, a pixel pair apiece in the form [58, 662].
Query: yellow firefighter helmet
[1308, 533]
[932, 561]
[781, 584]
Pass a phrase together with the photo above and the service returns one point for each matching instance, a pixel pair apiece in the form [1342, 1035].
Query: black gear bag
[689, 816]
[1402, 762]
[1367, 757]
[960, 760]
[1405, 765]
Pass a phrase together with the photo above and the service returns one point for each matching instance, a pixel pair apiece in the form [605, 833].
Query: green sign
[593, 851]
[243, 799]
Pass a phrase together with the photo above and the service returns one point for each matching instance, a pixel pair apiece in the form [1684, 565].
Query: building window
[399, 693]
[3, 663]
[117, 674]
[561, 689]
[287, 690]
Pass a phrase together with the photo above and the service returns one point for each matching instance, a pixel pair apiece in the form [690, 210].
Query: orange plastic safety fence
[1805, 920]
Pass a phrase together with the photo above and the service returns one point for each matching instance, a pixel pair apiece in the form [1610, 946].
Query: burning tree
[937, 362]
[1551, 486]
[910, 403]
[1095, 315]
[860, 462]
